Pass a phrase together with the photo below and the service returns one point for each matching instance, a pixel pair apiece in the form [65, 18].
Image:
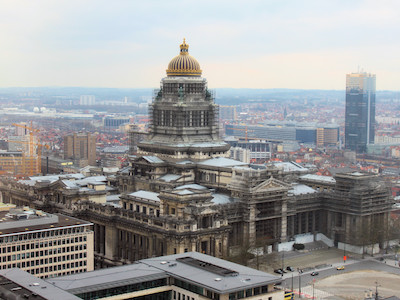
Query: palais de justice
[182, 193]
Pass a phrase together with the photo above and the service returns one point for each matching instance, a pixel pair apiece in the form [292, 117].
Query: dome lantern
[184, 64]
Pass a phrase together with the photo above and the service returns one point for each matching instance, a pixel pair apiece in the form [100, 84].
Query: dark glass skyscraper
[360, 111]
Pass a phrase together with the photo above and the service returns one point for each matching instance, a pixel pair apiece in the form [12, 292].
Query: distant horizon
[152, 88]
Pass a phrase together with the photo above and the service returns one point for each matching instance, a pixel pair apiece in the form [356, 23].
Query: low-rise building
[185, 276]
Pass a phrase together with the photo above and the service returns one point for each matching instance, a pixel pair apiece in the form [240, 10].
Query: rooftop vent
[219, 270]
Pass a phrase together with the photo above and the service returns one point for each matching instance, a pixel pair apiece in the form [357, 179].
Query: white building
[87, 100]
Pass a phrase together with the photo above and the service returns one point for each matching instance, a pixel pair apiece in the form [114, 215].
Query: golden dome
[184, 64]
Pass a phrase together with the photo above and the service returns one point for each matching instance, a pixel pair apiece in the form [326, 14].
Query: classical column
[97, 238]
[299, 217]
[313, 221]
[307, 227]
[102, 239]
[111, 243]
[252, 226]
[292, 225]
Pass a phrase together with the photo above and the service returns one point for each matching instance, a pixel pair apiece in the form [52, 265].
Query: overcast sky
[306, 44]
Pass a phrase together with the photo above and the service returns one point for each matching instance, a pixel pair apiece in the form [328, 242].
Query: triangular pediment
[208, 211]
[270, 184]
[58, 184]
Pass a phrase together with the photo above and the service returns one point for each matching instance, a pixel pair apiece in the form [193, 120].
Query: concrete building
[259, 150]
[186, 276]
[87, 100]
[357, 212]
[240, 154]
[43, 244]
[360, 111]
[17, 164]
[80, 148]
[327, 136]
[308, 133]
[115, 122]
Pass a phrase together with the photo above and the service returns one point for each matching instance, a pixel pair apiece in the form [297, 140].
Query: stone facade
[181, 193]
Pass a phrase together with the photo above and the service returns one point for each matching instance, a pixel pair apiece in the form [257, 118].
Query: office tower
[45, 245]
[87, 100]
[81, 148]
[360, 111]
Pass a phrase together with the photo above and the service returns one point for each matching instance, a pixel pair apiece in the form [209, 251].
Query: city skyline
[261, 44]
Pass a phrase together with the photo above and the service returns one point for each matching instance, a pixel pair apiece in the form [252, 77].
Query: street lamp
[376, 290]
[299, 283]
[313, 289]
[292, 281]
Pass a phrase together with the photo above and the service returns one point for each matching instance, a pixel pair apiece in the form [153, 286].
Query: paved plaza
[347, 284]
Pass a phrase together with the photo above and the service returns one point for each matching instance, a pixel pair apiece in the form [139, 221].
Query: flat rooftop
[17, 221]
[18, 284]
[107, 278]
[208, 272]
[212, 273]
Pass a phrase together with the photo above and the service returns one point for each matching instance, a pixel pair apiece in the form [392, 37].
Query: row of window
[178, 296]
[13, 257]
[44, 244]
[77, 264]
[129, 288]
[204, 292]
[250, 292]
[177, 119]
[142, 209]
[42, 234]
[173, 88]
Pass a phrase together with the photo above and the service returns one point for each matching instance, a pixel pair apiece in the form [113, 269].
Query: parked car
[340, 268]
[283, 271]
[289, 268]
[278, 271]
[314, 273]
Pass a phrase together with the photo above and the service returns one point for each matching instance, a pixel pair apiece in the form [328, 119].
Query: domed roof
[184, 64]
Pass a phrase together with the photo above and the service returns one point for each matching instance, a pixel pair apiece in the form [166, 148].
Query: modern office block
[360, 111]
[43, 244]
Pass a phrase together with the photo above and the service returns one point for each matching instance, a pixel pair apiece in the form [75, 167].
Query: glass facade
[119, 290]
[360, 111]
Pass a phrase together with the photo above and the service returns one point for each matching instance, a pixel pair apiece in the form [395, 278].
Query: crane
[31, 132]
[243, 129]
